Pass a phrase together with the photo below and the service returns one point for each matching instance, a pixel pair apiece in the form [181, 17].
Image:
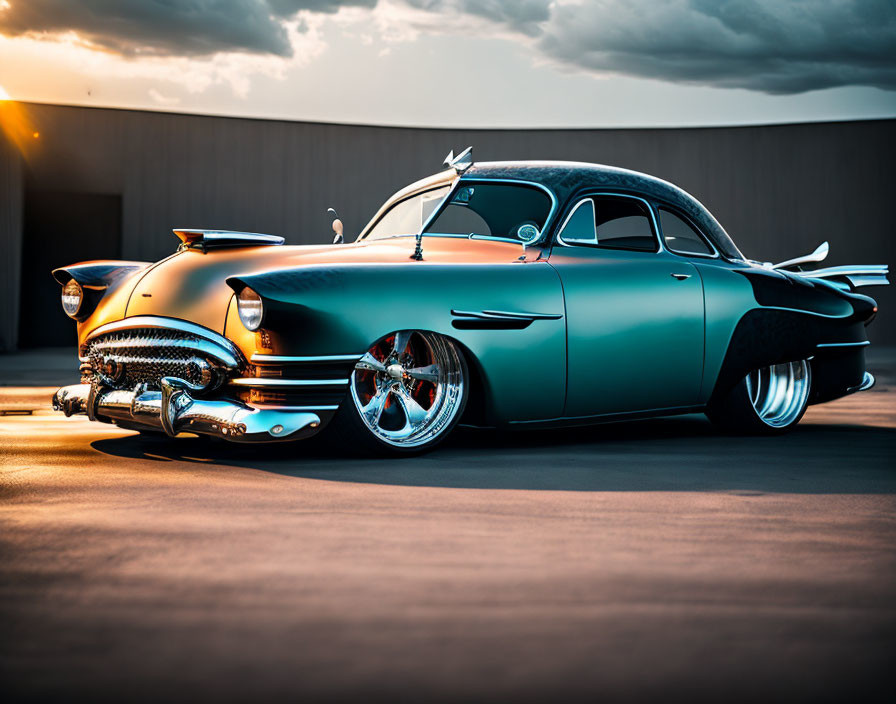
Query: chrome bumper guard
[175, 410]
[867, 382]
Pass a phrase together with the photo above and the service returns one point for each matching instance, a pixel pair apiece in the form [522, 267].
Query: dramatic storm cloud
[523, 16]
[773, 46]
[166, 27]
[767, 45]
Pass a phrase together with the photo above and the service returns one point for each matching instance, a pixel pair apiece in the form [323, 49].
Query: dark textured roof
[567, 178]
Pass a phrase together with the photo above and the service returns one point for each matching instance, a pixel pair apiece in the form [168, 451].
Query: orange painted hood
[191, 285]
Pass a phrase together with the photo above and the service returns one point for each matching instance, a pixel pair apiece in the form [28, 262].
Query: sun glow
[18, 125]
[3, 94]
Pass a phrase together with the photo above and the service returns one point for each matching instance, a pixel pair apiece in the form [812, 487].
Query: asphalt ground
[654, 560]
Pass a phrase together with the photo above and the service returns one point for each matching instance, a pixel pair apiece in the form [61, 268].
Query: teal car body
[581, 306]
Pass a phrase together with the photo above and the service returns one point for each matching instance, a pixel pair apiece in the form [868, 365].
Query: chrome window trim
[661, 247]
[261, 358]
[690, 223]
[569, 217]
[515, 181]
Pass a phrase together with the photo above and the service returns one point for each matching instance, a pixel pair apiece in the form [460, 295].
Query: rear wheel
[768, 400]
[405, 395]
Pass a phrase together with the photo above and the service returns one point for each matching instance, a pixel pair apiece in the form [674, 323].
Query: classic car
[502, 294]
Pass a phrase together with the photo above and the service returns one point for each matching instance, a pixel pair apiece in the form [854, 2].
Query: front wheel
[769, 400]
[405, 395]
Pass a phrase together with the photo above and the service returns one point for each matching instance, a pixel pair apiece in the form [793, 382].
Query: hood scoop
[216, 239]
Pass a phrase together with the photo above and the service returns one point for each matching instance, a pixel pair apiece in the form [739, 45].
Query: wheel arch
[767, 336]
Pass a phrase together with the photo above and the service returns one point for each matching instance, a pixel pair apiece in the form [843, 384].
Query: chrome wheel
[779, 393]
[409, 387]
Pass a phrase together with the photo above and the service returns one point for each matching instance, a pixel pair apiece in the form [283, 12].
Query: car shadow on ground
[672, 454]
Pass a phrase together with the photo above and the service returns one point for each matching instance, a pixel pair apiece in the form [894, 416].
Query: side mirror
[337, 226]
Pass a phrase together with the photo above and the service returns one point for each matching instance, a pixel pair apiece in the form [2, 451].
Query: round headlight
[72, 296]
[251, 310]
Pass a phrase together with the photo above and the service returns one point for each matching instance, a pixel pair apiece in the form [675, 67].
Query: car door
[634, 311]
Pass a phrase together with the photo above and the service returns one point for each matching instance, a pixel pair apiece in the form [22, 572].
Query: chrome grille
[127, 358]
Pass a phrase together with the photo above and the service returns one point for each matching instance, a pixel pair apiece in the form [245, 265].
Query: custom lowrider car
[514, 294]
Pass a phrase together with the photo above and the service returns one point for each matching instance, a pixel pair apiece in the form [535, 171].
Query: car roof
[568, 178]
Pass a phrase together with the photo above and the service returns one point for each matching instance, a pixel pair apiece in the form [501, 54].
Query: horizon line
[338, 123]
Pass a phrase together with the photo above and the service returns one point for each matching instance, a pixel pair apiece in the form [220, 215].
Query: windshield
[407, 216]
[515, 211]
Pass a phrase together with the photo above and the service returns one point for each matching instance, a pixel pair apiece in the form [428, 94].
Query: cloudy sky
[589, 63]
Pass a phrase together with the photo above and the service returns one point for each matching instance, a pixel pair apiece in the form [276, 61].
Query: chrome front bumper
[174, 410]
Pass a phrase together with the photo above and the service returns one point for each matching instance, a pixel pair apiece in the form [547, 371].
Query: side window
[623, 223]
[579, 227]
[680, 237]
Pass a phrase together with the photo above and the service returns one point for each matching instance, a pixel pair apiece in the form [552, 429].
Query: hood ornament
[461, 162]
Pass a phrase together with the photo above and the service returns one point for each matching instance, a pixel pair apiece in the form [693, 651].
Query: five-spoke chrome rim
[779, 392]
[408, 387]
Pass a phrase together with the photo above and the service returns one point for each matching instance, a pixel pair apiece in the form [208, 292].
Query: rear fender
[793, 318]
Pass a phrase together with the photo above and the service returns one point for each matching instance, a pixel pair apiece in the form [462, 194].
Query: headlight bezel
[250, 308]
[72, 298]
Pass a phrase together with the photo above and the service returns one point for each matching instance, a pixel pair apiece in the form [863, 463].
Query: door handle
[681, 277]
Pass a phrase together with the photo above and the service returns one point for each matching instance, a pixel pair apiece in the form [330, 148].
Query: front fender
[101, 281]
[343, 309]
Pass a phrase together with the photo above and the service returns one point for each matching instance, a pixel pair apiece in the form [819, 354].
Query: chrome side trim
[500, 314]
[860, 280]
[850, 270]
[263, 407]
[260, 358]
[856, 276]
[254, 381]
[865, 343]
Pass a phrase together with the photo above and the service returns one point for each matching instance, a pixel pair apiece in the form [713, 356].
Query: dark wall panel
[779, 190]
[60, 228]
[11, 199]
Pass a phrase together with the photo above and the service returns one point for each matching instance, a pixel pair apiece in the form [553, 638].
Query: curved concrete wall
[778, 190]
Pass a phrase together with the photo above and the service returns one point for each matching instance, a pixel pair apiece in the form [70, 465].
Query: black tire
[348, 432]
[736, 412]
